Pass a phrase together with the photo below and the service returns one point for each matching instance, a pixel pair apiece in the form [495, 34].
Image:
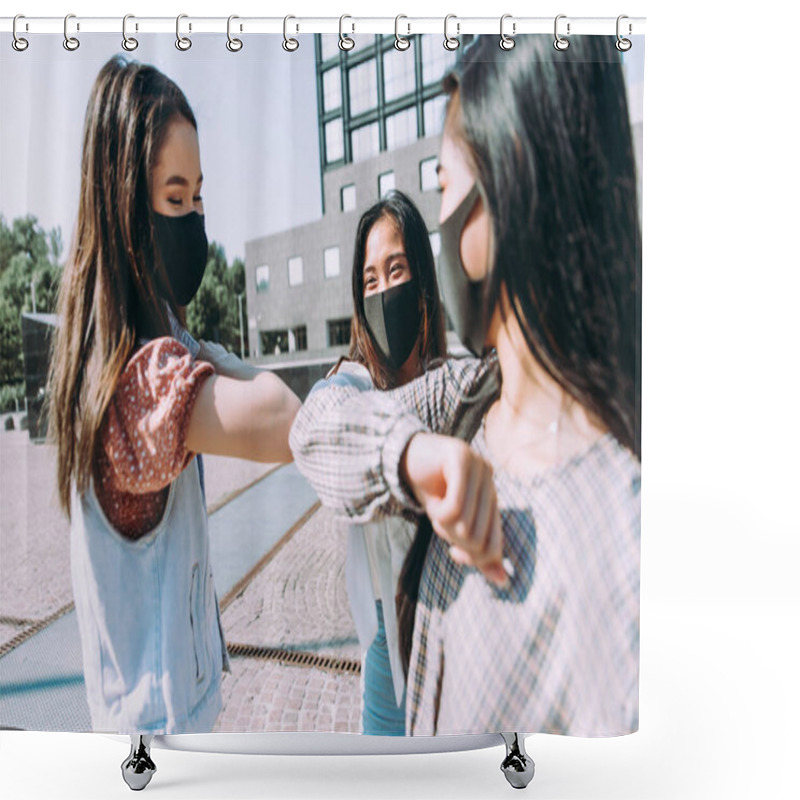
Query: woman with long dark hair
[397, 332]
[133, 399]
[527, 614]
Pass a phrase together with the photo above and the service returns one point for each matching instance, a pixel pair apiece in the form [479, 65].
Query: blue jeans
[380, 715]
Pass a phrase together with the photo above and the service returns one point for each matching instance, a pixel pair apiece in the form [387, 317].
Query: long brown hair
[402, 212]
[114, 288]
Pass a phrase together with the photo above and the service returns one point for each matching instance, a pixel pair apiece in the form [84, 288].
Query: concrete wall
[319, 299]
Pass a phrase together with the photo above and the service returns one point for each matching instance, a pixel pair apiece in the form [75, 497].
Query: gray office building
[380, 113]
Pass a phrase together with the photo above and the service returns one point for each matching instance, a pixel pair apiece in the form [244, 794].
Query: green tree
[213, 313]
[29, 267]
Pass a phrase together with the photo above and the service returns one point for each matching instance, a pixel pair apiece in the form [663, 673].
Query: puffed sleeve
[144, 436]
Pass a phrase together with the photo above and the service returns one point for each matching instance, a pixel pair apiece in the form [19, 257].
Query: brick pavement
[297, 602]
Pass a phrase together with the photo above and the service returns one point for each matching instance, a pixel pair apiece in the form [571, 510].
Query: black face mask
[463, 298]
[393, 318]
[183, 246]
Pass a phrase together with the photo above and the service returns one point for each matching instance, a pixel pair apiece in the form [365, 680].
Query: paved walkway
[298, 602]
[280, 565]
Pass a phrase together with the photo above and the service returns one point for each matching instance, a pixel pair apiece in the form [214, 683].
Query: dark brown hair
[113, 287]
[400, 210]
[548, 135]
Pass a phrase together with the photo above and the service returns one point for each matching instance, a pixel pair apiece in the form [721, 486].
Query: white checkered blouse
[557, 652]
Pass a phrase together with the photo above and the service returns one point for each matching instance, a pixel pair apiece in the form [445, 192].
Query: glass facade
[399, 73]
[375, 98]
[334, 141]
[365, 142]
[332, 89]
[363, 83]
[401, 128]
[435, 59]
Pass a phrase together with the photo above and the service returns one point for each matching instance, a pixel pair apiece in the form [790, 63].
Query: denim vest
[151, 637]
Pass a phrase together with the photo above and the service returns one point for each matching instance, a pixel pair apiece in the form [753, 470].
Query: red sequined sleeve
[143, 438]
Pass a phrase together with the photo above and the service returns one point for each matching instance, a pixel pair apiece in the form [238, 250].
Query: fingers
[467, 517]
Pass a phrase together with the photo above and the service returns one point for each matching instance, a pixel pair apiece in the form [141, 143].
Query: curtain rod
[407, 25]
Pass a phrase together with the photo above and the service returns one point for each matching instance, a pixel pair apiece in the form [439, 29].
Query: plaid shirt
[557, 652]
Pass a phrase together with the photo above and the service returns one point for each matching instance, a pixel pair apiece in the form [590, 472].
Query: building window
[331, 89]
[349, 197]
[385, 183]
[334, 140]
[435, 59]
[329, 44]
[298, 339]
[295, 271]
[401, 128]
[330, 260]
[436, 243]
[262, 279]
[338, 332]
[274, 342]
[365, 142]
[427, 174]
[398, 73]
[363, 81]
[433, 115]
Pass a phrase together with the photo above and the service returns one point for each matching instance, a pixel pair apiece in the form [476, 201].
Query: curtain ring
[560, 42]
[623, 45]
[183, 43]
[233, 44]
[70, 42]
[289, 45]
[18, 43]
[346, 42]
[128, 42]
[450, 42]
[507, 42]
[400, 42]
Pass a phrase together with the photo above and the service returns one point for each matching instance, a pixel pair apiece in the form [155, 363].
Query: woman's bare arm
[248, 416]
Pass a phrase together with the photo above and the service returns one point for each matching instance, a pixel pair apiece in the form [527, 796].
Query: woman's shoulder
[467, 372]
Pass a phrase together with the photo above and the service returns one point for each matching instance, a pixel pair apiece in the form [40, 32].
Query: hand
[455, 487]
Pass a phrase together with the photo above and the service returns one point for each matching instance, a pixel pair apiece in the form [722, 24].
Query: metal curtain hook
[128, 42]
[400, 42]
[234, 45]
[70, 42]
[450, 42]
[18, 43]
[507, 42]
[182, 42]
[346, 42]
[623, 45]
[560, 42]
[290, 45]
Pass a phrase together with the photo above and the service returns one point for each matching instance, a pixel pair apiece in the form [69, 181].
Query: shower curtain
[296, 604]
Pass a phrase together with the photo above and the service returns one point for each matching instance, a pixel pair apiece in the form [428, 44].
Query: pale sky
[256, 113]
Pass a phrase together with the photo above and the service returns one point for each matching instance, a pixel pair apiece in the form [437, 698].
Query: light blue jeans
[381, 715]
